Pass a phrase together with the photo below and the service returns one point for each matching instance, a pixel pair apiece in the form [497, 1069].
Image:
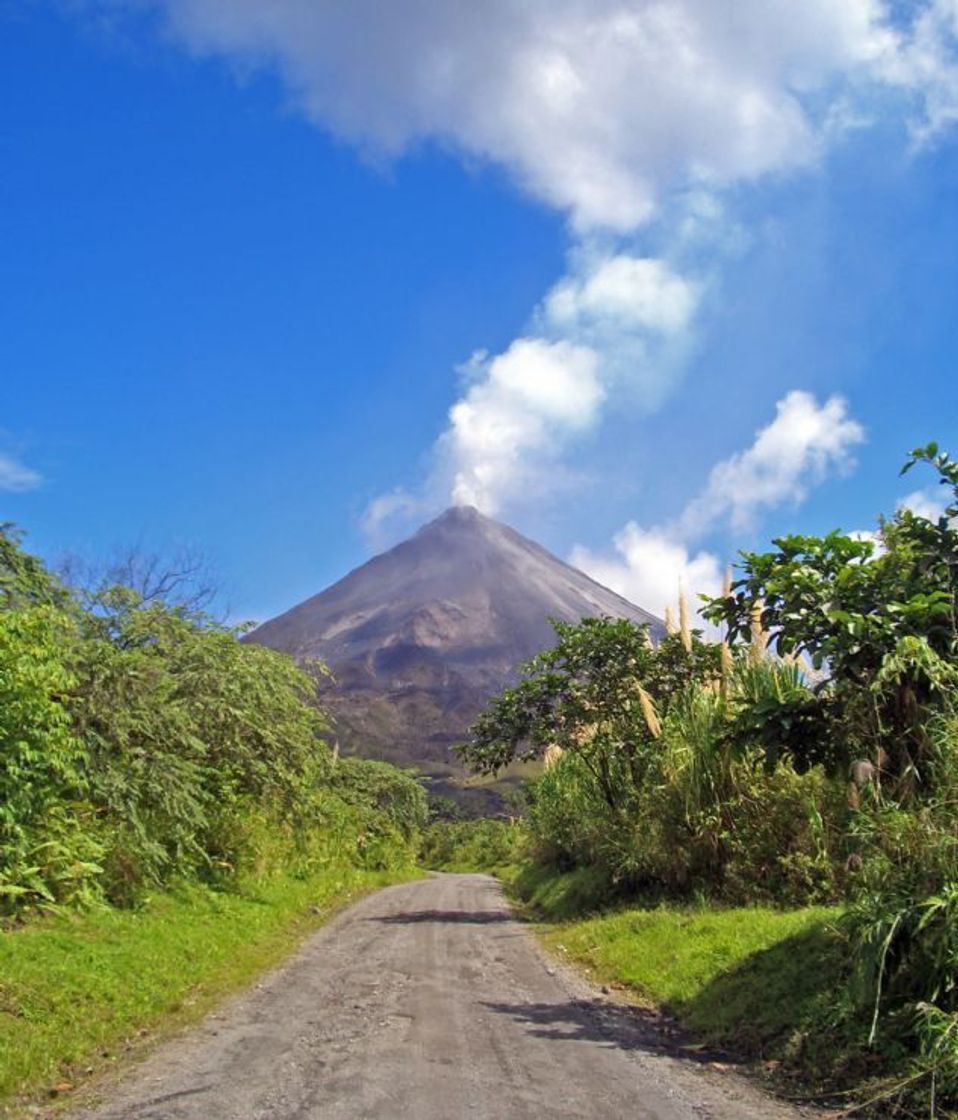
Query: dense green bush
[388, 807]
[656, 777]
[44, 851]
[903, 920]
[142, 743]
[473, 845]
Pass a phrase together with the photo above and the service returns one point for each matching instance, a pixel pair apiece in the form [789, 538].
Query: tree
[183, 580]
[882, 622]
[595, 693]
[24, 581]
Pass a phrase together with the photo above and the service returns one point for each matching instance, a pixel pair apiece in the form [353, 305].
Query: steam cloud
[608, 110]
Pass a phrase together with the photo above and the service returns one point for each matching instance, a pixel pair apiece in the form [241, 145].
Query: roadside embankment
[80, 992]
[757, 983]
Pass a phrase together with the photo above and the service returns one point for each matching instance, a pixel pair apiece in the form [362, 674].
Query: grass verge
[764, 985]
[79, 992]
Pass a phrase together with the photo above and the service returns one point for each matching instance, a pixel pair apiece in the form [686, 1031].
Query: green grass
[744, 977]
[78, 992]
[560, 897]
[763, 984]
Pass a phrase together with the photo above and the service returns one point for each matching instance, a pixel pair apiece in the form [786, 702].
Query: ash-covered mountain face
[421, 636]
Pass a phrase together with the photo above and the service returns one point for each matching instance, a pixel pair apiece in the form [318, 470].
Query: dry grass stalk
[553, 753]
[727, 661]
[584, 735]
[648, 711]
[685, 628]
[727, 584]
[759, 643]
[669, 621]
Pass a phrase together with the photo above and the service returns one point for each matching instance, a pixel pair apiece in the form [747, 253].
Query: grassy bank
[78, 992]
[757, 982]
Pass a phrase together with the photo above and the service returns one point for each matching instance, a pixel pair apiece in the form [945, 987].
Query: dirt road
[427, 1001]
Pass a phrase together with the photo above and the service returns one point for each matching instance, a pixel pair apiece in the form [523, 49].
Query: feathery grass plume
[669, 621]
[684, 628]
[759, 644]
[553, 753]
[584, 735]
[335, 758]
[648, 711]
[727, 662]
[727, 584]
[648, 639]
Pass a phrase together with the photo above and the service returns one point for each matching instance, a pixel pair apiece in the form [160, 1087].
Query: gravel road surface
[428, 1001]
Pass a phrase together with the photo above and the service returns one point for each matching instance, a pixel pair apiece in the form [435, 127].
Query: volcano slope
[421, 636]
[430, 1001]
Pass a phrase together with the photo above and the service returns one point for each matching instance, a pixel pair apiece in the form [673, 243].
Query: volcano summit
[421, 636]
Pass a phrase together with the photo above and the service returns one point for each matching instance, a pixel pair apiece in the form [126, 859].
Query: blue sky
[246, 262]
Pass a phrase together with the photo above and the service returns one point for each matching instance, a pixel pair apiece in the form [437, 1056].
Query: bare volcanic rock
[421, 636]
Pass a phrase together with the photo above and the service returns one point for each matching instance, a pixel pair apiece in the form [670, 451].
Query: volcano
[420, 637]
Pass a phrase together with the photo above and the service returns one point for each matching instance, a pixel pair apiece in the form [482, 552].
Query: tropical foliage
[804, 753]
[142, 743]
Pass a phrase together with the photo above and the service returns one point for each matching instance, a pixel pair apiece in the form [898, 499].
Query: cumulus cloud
[649, 565]
[794, 452]
[922, 59]
[597, 107]
[798, 449]
[15, 477]
[638, 292]
[616, 321]
[525, 404]
[606, 110]
[924, 503]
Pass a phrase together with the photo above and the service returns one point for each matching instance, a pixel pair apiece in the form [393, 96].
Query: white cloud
[395, 507]
[525, 405]
[15, 476]
[616, 324]
[797, 450]
[634, 291]
[606, 110]
[922, 60]
[597, 107]
[649, 565]
[924, 503]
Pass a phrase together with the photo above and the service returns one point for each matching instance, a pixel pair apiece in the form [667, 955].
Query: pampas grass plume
[648, 711]
[727, 661]
[553, 753]
[759, 635]
[727, 584]
[684, 628]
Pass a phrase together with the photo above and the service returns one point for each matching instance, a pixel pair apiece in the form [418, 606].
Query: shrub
[472, 845]
[141, 744]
